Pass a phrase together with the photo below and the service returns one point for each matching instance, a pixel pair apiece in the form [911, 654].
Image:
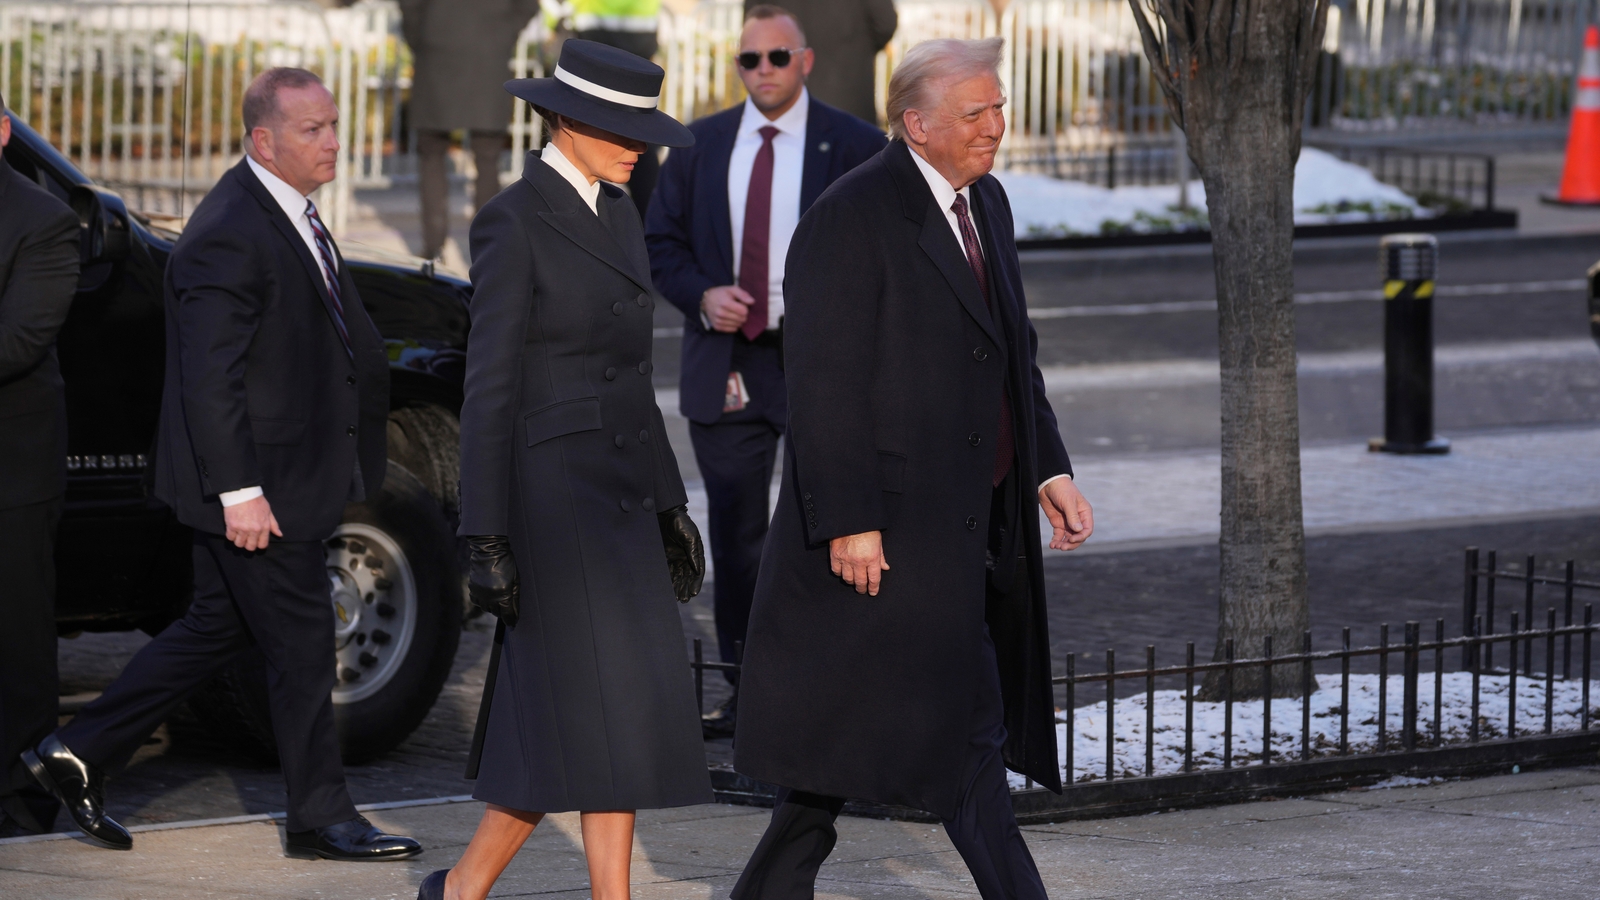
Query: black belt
[772, 337]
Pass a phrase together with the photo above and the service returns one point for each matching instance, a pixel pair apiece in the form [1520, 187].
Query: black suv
[122, 558]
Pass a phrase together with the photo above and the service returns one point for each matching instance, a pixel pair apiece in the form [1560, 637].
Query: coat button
[980, 354]
[647, 505]
[644, 300]
[644, 367]
[620, 441]
[807, 496]
[350, 379]
[974, 439]
[626, 506]
[644, 436]
[351, 431]
[972, 523]
[611, 373]
[616, 308]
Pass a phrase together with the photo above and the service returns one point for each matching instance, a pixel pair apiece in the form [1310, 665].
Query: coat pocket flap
[277, 431]
[891, 471]
[565, 417]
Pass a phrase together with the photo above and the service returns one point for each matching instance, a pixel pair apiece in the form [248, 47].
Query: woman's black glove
[492, 576]
[686, 554]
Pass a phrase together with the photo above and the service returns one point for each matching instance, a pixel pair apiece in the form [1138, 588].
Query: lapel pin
[823, 147]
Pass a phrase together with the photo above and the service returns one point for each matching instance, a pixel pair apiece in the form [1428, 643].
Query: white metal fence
[145, 94]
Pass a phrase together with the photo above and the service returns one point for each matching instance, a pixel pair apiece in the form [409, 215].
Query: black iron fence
[1445, 182]
[1167, 743]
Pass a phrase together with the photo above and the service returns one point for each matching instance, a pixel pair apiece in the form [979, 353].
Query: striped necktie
[331, 271]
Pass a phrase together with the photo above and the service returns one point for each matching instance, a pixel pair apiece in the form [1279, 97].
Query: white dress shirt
[945, 195]
[588, 190]
[788, 163]
[294, 206]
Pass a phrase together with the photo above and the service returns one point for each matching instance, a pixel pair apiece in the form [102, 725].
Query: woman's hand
[686, 554]
[492, 577]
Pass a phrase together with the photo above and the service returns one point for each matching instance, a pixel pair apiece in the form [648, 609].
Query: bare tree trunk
[1235, 74]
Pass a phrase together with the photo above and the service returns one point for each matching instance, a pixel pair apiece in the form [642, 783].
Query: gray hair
[260, 107]
[934, 62]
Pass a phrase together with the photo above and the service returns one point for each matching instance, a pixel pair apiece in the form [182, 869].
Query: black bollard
[1410, 262]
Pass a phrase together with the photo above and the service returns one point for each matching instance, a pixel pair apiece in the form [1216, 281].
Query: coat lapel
[720, 149]
[571, 216]
[936, 239]
[818, 156]
[996, 253]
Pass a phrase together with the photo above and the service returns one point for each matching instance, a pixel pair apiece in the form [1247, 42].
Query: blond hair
[930, 63]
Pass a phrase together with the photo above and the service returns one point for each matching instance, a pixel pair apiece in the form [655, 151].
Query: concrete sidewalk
[1532, 835]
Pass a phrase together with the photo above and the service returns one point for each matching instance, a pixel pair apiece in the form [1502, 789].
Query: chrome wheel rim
[374, 596]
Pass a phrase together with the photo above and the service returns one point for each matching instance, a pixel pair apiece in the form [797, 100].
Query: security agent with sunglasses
[570, 495]
[718, 233]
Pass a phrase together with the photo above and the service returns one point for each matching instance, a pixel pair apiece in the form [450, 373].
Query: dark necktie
[757, 236]
[325, 250]
[1005, 444]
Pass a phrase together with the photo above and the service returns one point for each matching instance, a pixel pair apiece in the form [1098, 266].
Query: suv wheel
[397, 620]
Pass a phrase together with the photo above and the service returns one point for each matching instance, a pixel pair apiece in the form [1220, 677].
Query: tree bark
[1235, 75]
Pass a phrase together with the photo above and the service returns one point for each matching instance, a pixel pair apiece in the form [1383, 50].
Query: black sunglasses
[780, 57]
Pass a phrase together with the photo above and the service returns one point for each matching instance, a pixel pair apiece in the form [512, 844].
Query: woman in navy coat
[570, 495]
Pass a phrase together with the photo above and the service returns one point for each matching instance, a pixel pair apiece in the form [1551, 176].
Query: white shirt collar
[589, 191]
[943, 193]
[292, 201]
[791, 123]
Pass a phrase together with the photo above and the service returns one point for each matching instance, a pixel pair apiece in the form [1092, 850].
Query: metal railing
[1149, 725]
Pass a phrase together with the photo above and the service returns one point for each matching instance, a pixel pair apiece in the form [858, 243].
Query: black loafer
[354, 840]
[81, 789]
[432, 887]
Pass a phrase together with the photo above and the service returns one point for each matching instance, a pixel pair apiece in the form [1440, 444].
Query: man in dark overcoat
[273, 415]
[897, 646]
[776, 152]
[38, 274]
[461, 52]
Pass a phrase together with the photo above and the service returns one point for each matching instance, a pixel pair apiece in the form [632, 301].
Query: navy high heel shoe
[432, 887]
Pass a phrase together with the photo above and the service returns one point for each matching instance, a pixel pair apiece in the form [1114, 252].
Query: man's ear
[262, 139]
[808, 59]
[916, 129]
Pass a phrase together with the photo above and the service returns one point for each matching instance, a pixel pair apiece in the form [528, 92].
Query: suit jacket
[38, 274]
[896, 370]
[564, 450]
[259, 389]
[846, 36]
[690, 234]
[461, 49]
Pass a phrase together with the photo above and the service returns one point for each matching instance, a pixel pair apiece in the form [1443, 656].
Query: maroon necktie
[757, 233]
[1005, 445]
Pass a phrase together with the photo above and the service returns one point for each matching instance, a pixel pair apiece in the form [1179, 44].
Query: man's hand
[250, 523]
[858, 559]
[1068, 512]
[727, 307]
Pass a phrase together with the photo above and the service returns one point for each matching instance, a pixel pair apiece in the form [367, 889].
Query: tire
[426, 441]
[397, 623]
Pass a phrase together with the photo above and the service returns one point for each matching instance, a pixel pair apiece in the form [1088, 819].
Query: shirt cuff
[705, 322]
[242, 495]
[1045, 482]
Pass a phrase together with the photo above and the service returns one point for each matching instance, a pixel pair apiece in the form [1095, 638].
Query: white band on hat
[638, 101]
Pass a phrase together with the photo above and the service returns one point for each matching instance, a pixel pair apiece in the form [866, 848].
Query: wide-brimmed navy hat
[606, 87]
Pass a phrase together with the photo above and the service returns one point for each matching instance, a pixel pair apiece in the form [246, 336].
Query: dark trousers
[28, 682]
[275, 599]
[736, 455]
[984, 829]
[434, 183]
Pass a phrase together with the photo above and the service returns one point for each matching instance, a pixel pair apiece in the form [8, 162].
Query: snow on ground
[1326, 189]
[1089, 748]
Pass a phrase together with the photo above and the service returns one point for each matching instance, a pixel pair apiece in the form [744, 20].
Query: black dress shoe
[720, 721]
[354, 840]
[81, 789]
[432, 887]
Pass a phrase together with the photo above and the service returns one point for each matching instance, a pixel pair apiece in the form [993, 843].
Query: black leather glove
[686, 554]
[492, 576]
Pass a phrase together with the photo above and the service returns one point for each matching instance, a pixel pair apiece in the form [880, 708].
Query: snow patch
[1326, 190]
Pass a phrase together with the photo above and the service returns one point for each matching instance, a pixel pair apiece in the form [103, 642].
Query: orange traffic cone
[1580, 178]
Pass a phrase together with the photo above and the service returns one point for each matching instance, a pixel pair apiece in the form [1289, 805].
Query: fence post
[1266, 701]
[1566, 652]
[699, 677]
[1188, 709]
[1306, 687]
[1383, 687]
[1149, 709]
[1527, 617]
[1227, 705]
[1488, 183]
[1408, 734]
[1549, 671]
[1469, 604]
[1111, 713]
[1511, 684]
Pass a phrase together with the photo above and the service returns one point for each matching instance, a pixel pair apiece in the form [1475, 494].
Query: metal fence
[144, 95]
[1146, 737]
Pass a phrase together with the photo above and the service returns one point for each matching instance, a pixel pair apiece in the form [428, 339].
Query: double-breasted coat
[564, 450]
[896, 368]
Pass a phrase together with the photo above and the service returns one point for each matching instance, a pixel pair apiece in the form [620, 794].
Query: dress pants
[275, 599]
[984, 829]
[736, 455]
[435, 185]
[28, 680]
